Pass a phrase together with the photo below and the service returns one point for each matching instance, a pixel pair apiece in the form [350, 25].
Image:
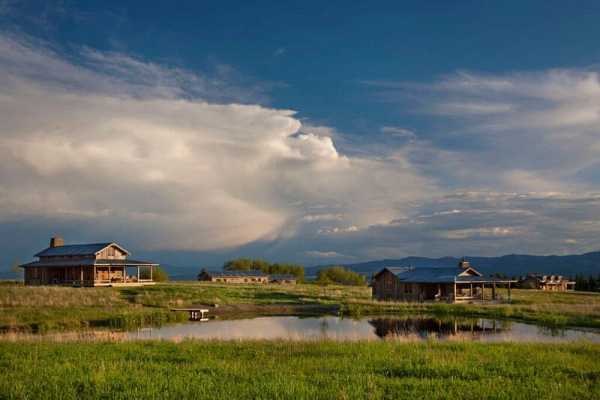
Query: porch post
[81, 275]
[454, 294]
[494, 290]
[151, 268]
[509, 297]
[124, 274]
[482, 291]
[109, 278]
[94, 275]
[138, 273]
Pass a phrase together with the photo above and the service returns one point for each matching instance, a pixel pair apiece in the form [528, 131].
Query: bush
[159, 275]
[341, 276]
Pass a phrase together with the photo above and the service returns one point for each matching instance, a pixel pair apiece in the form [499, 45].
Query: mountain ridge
[509, 264]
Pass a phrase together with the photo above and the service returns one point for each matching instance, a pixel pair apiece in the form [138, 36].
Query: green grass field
[64, 308]
[298, 370]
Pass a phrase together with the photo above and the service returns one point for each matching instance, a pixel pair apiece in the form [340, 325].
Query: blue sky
[445, 128]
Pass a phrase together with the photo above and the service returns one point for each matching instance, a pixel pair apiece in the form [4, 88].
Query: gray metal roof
[433, 275]
[74, 250]
[236, 273]
[89, 262]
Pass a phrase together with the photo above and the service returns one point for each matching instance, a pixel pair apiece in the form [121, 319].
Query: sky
[316, 133]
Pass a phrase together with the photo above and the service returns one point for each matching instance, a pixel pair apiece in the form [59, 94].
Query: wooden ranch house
[96, 264]
[450, 284]
[551, 283]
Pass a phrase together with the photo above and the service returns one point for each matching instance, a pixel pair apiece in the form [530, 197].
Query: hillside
[512, 265]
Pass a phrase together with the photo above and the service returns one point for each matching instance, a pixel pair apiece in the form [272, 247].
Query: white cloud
[145, 152]
[338, 230]
[399, 132]
[325, 254]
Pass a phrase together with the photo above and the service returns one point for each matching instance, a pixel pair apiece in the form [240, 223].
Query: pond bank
[45, 309]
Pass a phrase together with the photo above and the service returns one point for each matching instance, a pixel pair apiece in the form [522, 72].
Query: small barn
[233, 276]
[451, 284]
[551, 283]
[90, 264]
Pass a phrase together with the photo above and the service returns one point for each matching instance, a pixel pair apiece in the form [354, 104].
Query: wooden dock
[196, 314]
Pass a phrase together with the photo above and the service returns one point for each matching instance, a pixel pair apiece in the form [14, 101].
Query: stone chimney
[464, 264]
[57, 241]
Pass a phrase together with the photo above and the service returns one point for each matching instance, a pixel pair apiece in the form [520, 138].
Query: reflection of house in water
[451, 284]
[425, 327]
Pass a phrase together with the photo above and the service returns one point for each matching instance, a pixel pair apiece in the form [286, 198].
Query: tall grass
[299, 370]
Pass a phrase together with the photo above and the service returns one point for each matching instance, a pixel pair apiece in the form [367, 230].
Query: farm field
[299, 370]
[64, 308]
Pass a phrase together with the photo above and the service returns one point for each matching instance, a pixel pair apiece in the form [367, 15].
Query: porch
[481, 290]
[122, 275]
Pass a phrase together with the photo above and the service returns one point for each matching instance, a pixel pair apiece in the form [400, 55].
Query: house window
[111, 251]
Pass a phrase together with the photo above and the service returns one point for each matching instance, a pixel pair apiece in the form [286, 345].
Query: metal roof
[236, 273]
[74, 249]
[435, 274]
[89, 262]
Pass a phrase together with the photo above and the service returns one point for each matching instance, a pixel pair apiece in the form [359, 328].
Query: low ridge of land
[63, 308]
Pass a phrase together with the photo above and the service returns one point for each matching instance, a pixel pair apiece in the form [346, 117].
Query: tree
[340, 275]
[158, 274]
[18, 271]
[239, 264]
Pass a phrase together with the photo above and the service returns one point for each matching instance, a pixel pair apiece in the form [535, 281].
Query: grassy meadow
[64, 308]
[298, 370]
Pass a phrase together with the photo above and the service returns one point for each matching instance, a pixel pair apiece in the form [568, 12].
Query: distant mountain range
[511, 265]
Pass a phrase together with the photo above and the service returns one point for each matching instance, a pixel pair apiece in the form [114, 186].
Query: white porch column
[151, 269]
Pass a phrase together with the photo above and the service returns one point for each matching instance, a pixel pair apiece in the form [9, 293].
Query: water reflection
[389, 328]
[414, 328]
[438, 328]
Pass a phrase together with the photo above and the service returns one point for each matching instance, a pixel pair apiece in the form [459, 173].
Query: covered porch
[129, 273]
[480, 289]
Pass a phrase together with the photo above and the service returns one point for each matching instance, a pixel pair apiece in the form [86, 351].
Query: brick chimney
[56, 241]
[464, 264]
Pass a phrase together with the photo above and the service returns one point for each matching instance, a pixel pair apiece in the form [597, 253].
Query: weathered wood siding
[112, 253]
[386, 286]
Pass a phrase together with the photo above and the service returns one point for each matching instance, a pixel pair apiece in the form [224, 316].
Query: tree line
[248, 264]
[587, 283]
[341, 276]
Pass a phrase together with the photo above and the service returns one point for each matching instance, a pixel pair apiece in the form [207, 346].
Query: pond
[369, 328]
[414, 328]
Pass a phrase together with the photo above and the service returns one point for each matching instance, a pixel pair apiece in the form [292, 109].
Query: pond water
[414, 328]
[370, 328]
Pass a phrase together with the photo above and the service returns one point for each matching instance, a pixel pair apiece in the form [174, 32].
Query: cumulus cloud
[104, 145]
[164, 158]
